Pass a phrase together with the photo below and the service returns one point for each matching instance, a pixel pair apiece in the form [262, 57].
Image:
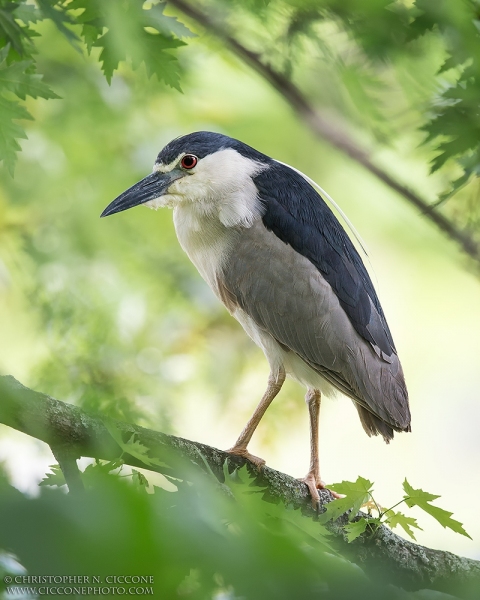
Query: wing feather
[288, 297]
[298, 215]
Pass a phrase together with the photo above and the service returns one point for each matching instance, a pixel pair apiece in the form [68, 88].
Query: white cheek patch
[224, 179]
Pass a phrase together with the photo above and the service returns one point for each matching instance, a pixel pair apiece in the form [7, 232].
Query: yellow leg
[312, 479]
[275, 382]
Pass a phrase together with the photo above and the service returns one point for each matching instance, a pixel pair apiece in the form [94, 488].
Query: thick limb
[275, 382]
[312, 479]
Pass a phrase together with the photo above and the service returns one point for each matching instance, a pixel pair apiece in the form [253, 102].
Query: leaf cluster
[454, 124]
[123, 31]
[360, 52]
[360, 494]
[198, 541]
[18, 76]
[129, 31]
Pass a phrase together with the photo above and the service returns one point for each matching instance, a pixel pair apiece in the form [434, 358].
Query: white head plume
[332, 201]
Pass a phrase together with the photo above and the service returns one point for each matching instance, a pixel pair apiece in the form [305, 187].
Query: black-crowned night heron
[274, 253]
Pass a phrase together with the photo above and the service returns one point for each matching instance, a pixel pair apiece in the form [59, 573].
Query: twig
[85, 434]
[68, 463]
[325, 128]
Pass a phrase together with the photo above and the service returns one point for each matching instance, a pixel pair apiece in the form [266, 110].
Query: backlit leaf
[417, 497]
[356, 528]
[397, 518]
[133, 447]
[55, 478]
[356, 493]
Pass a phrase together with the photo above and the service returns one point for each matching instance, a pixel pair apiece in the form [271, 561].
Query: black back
[298, 215]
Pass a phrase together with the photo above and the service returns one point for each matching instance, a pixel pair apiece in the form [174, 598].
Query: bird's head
[208, 171]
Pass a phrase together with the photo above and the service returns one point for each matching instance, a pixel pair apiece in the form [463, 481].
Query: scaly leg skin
[312, 478]
[275, 382]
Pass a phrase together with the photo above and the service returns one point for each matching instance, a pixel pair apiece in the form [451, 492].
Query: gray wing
[287, 296]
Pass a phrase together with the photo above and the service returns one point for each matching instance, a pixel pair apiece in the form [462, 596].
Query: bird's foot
[314, 483]
[239, 451]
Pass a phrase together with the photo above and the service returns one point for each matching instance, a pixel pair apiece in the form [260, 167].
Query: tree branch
[80, 433]
[323, 126]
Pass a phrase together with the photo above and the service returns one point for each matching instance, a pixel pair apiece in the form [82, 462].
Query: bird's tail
[373, 425]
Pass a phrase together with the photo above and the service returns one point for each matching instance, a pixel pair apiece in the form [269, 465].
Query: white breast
[206, 241]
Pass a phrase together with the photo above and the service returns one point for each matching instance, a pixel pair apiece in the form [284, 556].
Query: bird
[274, 253]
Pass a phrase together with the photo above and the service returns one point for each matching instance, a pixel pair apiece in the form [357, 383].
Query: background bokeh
[110, 314]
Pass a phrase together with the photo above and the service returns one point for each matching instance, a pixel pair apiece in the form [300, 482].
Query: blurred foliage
[121, 29]
[202, 540]
[364, 47]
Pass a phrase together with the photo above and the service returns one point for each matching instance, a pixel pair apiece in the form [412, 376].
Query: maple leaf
[356, 528]
[53, 10]
[11, 131]
[139, 479]
[397, 518]
[16, 78]
[423, 499]
[11, 31]
[54, 478]
[356, 493]
[134, 447]
[166, 25]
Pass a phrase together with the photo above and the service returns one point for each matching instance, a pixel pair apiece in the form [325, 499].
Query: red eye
[189, 161]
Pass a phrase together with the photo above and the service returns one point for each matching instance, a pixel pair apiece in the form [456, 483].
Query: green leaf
[356, 493]
[90, 35]
[28, 13]
[157, 61]
[10, 30]
[92, 19]
[139, 479]
[398, 518]
[166, 25]
[356, 528]
[240, 478]
[417, 497]
[53, 10]
[133, 447]
[93, 474]
[16, 78]
[54, 478]
[292, 519]
[279, 517]
[110, 56]
[449, 63]
[128, 38]
[10, 131]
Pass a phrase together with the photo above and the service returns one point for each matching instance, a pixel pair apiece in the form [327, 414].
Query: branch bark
[326, 129]
[80, 433]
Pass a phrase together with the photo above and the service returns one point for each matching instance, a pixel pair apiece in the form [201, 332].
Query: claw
[314, 483]
[244, 453]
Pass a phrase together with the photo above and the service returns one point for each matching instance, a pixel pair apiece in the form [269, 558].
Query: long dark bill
[151, 187]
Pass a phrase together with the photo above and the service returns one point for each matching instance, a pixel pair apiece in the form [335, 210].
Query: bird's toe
[314, 483]
[244, 453]
[313, 488]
